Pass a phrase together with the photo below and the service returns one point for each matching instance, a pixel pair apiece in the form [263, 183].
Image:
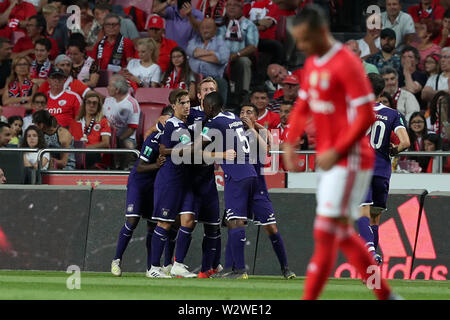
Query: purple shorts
[238, 196]
[262, 209]
[207, 207]
[169, 200]
[378, 192]
[139, 201]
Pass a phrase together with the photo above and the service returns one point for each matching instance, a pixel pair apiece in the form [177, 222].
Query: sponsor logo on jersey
[62, 102]
[313, 78]
[97, 127]
[324, 80]
[55, 110]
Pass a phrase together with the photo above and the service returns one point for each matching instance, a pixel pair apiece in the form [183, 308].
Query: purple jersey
[149, 154]
[387, 120]
[228, 128]
[195, 114]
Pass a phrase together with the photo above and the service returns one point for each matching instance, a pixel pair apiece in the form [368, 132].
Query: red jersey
[436, 12]
[128, 52]
[99, 129]
[64, 107]
[269, 119]
[71, 84]
[25, 43]
[164, 53]
[336, 91]
[21, 12]
[264, 9]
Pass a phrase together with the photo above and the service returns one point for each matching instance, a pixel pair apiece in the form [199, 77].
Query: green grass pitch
[49, 285]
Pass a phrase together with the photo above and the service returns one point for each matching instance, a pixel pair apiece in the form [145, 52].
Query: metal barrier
[436, 154]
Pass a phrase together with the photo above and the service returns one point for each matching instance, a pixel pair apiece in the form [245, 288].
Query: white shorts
[340, 192]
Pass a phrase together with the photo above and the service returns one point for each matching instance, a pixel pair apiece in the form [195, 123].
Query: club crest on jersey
[165, 212]
[130, 207]
[97, 127]
[62, 102]
[324, 80]
[313, 78]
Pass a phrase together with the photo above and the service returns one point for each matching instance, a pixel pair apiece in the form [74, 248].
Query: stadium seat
[80, 158]
[9, 111]
[151, 113]
[153, 95]
[102, 90]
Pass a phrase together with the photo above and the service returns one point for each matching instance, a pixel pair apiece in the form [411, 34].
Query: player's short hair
[44, 42]
[377, 83]
[179, 94]
[313, 15]
[249, 104]
[167, 111]
[173, 94]
[214, 100]
[207, 79]
[388, 70]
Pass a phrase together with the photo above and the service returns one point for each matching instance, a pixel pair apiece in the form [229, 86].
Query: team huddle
[174, 192]
[353, 148]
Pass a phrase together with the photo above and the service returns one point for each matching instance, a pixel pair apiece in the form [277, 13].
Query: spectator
[19, 87]
[266, 118]
[404, 101]
[115, 8]
[431, 143]
[386, 57]
[209, 55]
[264, 14]
[34, 138]
[276, 74]
[92, 127]
[443, 40]
[122, 112]
[156, 29]
[431, 65]
[13, 17]
[439, 116]
[41, 65]
[241, 37]
[56, 27]
[417, 130]
[86, 20]
[5, 63]
[181, 19]
[113, 51]
[144, 71]
[410, 78]
[64, 63]
[84, 68]
[2, 177]
[16, 124]
[387, 100]
[426, 9]
[399, 21]
[370, 44]
[427, 31]
[5, 134]
[439, 81]
[63, 104]
[290, 87]
[179, 74]
[38, 102]
[36, 30]
[214, 9]
[353, 45]
[2, 117]
[101, 11]
[58, 137]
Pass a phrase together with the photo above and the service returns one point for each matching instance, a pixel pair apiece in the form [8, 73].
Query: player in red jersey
[336, 92]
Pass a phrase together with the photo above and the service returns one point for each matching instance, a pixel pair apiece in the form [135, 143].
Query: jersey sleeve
[206, 132]
[133, 119]
[398, 122]
[105, 129]
[166, 135]
[149, 149]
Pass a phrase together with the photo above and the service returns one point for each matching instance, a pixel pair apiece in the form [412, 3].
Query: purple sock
[148, 243]
[170, 246]
[124, 238]
[159, 240]
[228, 253]
[208, 250]
[183, 241]
[237, 238]
[366, 232]
[278, 247]
[375, 235]
[218, 251]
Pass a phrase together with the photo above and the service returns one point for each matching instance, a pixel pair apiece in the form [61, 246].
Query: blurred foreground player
[140, 188]
[337, 93]
[387, 121]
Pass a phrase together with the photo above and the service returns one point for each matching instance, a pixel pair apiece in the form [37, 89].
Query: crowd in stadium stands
[77, 84]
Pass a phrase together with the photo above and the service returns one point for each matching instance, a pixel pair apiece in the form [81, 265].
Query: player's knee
[164, 224]
[235, 223]
[151, 226]
[133, 221]
[188, 221]
[211, 229]
[271, 229]
[365, 211]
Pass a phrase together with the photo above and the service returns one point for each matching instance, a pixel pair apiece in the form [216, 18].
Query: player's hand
[327, 159]
[290, 158]
[230, 154]
[160, 161]
[393, 150]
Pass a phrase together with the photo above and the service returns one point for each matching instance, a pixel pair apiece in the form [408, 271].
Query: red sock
[357, 255]
[323, 259]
